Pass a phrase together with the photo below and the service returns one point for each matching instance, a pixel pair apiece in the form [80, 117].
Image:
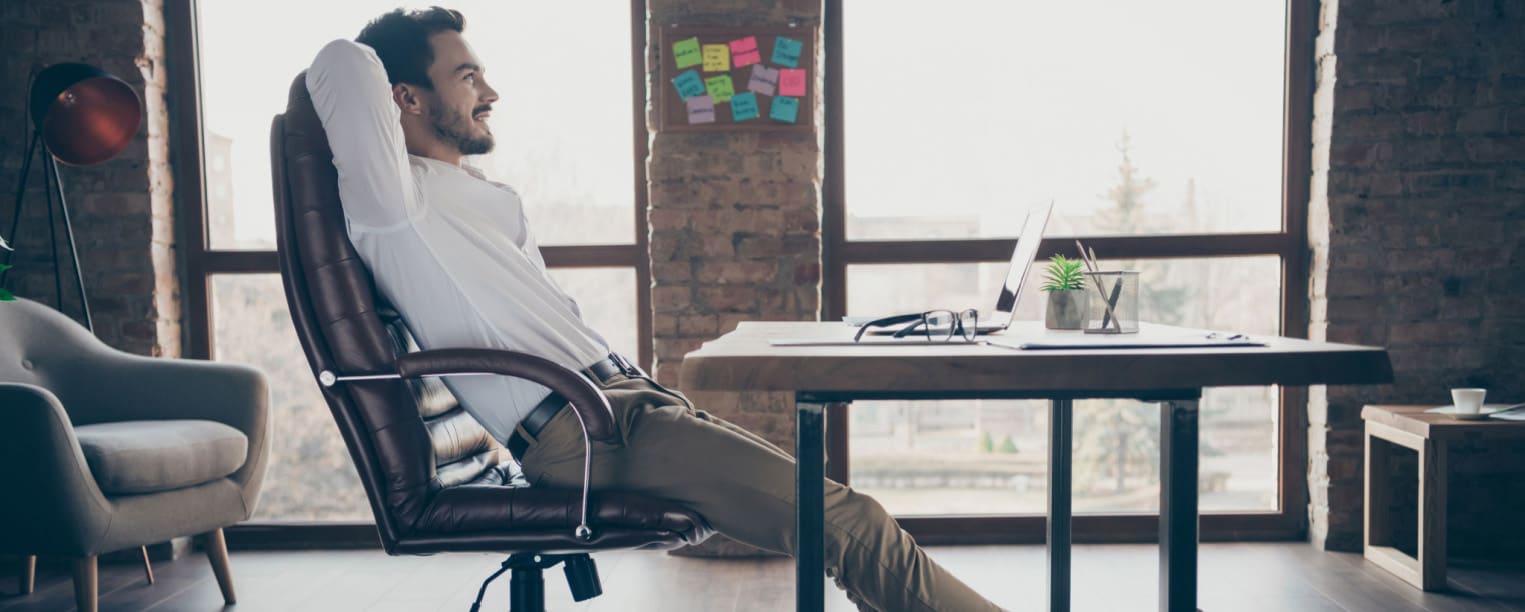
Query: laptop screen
[1022, 257]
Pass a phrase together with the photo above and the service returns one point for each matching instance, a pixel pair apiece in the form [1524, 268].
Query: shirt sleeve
[353, 97]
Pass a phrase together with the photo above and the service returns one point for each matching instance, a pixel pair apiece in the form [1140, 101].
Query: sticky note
[791, 82]
[717, 58]
[785, 109]
[786, 52]
[686, 52]
[744, 52]
[689, 84]
[701, 109]
[744, 106]
[720, 88]
[763, 80]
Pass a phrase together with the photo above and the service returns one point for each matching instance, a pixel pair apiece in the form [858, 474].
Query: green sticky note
[744, 106]
[786, 52]
[689, 84]
[720, 88]
[785, 109]
[686, 52]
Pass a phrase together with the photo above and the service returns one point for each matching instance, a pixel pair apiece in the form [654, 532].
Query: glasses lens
[939, 325]
[969, 323]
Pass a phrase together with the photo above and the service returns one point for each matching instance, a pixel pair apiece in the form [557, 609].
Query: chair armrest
[52, 504]
[589, 403]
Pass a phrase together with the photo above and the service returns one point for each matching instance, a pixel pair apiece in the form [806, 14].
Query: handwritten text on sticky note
[785, 109]
[719, 87]
[717, 58]
[791, 82]
[744, 106]
[701, 109]
[686, 52]
[744, 52]
[689, 84]
[764, 80]
[786, 52]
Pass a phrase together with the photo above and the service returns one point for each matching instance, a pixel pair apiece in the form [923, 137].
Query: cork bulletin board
[717, 79]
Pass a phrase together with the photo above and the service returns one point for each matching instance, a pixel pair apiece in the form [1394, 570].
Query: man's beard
[456, 129]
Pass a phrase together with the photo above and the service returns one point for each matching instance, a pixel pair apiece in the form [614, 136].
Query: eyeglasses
[936, 325]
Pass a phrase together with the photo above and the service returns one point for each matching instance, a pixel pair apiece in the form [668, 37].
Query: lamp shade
[85, 115]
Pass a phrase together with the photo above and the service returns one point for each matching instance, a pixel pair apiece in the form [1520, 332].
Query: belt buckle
[625, 366]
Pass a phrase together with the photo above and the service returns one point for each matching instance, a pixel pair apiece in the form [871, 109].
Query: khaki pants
[744, 488]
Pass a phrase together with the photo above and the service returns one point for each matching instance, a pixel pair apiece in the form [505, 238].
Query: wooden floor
[1234, 577]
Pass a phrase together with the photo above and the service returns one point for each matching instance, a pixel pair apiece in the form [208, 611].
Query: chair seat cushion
[130, 457]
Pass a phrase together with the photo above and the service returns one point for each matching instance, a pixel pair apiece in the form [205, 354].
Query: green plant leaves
[1063, 274]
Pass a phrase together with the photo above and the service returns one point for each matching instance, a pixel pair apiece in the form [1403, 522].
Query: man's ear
[407, 98]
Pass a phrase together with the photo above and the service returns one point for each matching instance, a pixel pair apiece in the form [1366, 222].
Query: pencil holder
[1113, 307]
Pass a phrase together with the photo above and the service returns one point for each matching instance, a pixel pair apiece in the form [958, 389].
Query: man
[402, 105]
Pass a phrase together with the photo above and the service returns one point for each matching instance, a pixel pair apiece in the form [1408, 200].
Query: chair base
[527, 580]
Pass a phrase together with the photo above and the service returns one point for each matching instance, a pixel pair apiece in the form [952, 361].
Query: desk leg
[1178, 506]
[1061, 415]
[810, 507]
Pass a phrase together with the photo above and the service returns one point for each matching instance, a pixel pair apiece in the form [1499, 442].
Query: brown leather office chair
[437, 482]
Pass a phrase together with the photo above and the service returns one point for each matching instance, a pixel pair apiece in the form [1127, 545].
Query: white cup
[1468, 401]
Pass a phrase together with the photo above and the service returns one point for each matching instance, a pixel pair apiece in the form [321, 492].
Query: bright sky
[966, 110]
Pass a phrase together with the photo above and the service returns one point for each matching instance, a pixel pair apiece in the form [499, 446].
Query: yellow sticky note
[717, 58]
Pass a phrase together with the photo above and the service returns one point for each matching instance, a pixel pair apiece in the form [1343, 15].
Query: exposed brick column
[735, 226]
[1416, 222]
[122, 209]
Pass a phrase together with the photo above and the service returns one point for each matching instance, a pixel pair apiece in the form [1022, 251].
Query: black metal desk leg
[1061, 415]
[1178, 506]
[810, 507]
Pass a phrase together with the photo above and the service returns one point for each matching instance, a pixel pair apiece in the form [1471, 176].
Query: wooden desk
[743, 360]
[1430, 436]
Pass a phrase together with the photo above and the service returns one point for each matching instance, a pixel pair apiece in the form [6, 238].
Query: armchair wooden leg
[28, 577]
[148, 568]
[217, 553]
[85, 584]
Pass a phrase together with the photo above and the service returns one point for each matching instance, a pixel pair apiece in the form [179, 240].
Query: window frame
[1290, 244]
[199, 262]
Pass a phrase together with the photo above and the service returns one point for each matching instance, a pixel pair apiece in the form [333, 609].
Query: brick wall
[1415, 222]
[121, 209]
[735, 230]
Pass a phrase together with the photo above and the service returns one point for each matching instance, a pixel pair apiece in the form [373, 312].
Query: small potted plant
[1067, 296]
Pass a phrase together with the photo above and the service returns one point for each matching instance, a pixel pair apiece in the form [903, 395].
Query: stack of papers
[1128, 341]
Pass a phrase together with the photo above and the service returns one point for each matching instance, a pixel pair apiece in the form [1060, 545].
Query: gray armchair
[101, 450]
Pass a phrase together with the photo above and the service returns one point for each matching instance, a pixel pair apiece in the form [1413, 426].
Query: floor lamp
[81, 116]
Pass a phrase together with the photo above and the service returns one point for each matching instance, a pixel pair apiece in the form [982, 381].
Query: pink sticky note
[744, 52]
[791, 81]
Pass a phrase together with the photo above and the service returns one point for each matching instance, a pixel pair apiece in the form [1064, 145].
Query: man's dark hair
[401, 40]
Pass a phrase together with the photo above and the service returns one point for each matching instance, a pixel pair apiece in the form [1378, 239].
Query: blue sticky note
[689, 84]
[786, 52]
[785, 109]
[744, 106]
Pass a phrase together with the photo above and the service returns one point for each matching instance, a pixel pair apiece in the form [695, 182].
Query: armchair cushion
[129, 457]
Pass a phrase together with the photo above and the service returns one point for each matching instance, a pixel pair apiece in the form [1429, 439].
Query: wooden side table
[1429, 435]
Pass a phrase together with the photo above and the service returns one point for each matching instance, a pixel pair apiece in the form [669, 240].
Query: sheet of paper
[764, 80]
[786, 52]
[744, 106]
[701, 109]
[689, 84]
[717, 58]
[686, 53]
[744, 52]
[719, 88]
[785, 109]
[791, 82]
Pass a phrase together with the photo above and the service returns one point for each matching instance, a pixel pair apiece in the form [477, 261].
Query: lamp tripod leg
[79, 277]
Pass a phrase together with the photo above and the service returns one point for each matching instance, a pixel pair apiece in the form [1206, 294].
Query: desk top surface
[1413, 419]
[743, 360]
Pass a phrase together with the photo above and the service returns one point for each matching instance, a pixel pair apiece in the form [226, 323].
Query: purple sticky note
[763, 80]
[701, 109]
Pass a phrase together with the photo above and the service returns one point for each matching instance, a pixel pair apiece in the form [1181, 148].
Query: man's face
[461, 99]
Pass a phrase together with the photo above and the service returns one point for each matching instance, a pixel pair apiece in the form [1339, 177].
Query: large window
[569, 133]
[1160, 130]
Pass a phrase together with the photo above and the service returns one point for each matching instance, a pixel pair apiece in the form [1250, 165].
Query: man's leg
[744, 487]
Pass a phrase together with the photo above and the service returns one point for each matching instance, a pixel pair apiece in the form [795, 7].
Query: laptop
[1021, 259]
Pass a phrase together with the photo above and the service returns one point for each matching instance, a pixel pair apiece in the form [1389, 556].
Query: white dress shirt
[449, 248]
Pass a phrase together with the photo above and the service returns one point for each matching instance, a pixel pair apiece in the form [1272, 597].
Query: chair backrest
[409, 439]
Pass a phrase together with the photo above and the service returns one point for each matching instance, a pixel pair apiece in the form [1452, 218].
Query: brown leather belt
[549, 407]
